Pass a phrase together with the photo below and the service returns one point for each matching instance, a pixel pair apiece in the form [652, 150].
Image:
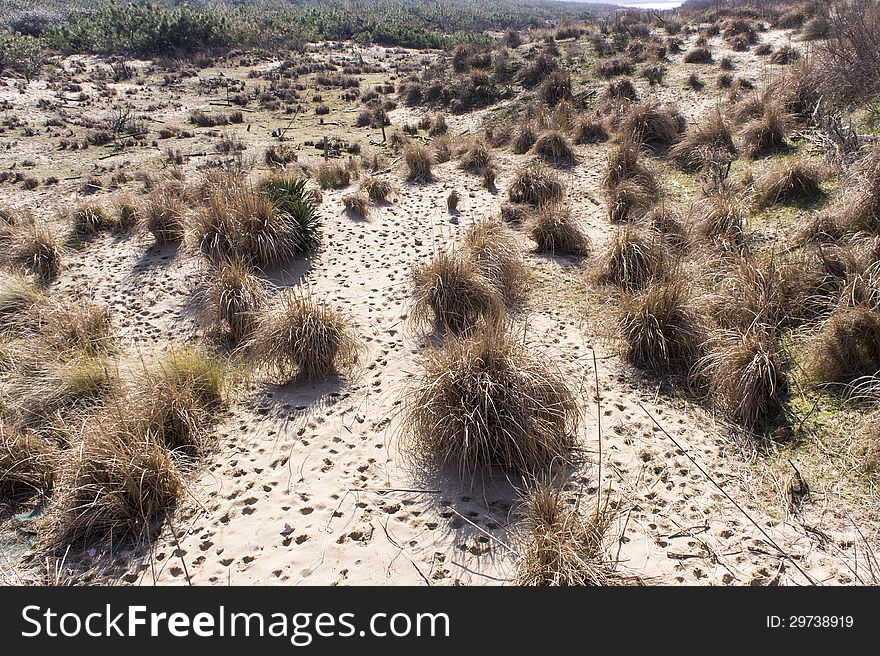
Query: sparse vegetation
[212, 214]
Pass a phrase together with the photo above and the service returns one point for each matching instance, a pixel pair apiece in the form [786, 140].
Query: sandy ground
[307, 485]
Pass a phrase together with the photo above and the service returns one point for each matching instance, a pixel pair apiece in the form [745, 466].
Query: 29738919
[810, 622]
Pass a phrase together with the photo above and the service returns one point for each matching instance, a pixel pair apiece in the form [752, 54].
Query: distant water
[652, 5]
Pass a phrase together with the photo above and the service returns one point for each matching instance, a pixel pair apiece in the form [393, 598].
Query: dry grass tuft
[752, 293]
[709, 142]
[720, 219]
[857, 207]
[630, 186]
[652, 125]
[418, 160]
[562, 548]
[535, 185]
[555, 230]
[357, 204]
[847, 346]
[378, 189]
[785, 55]
[493, 247]
[747, 376]
[128, 215]
[624, 163]
[452, 201]
[515, 214]
[667, 221]
[867, 446]
[454, 293]
[554, 147]
[77, 327]
[303, 338]
[176, 400]
[485, 401]
[632, 258]
[11, 221]
[37, 251]
[17, 296]
[90, 219]
[115, 486]
[27, 464]
[165, 216]
[233, 298]
[590, 130]
[660, 328]
[333, 175]
[766, 132]
[698, 55]
[628, 199]
[524, 138]
[787, 181]
[477, 158]
[263, 227]
[616, 99]
[46, 389]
